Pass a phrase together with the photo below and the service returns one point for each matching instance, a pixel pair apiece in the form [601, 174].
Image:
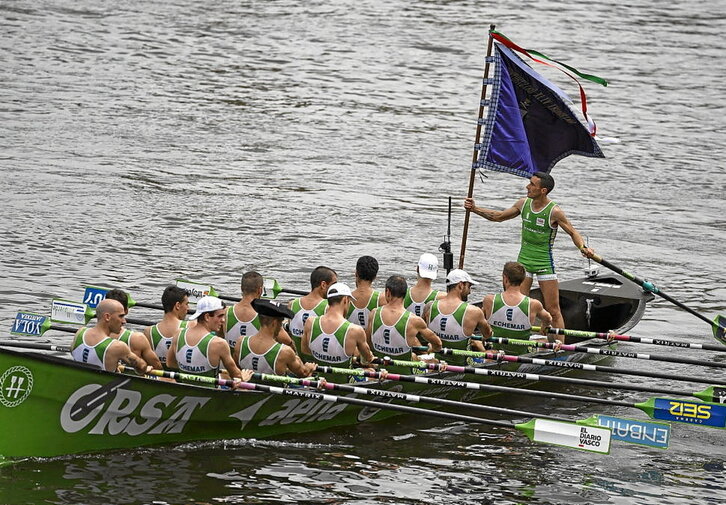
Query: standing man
[95, 345]
[136, 340]
[511, 313]
[198, 350]
[393, 330]
[422, 293]
[312, 304]
[333, 340]
[175, 302]
[242, 320]
[365, 298]
[262, 352]
[454, 320]
[541, 217]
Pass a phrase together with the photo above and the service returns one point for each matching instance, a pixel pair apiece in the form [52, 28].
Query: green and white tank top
[329, 348]
[194, 359]
[538, 236]
[450, 329]
[161, 343]
[418, 307]
[91, 354]
[125, 336]
[510, 321]
[360, 316]
[297, 324]
[390, 340]
[235, 328]
[262, 363]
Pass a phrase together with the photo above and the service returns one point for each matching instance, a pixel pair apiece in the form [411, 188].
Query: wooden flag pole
[477, 136]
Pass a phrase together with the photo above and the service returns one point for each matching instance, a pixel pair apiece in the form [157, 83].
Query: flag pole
[476, 142]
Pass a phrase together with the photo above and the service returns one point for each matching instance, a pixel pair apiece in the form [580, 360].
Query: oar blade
[93, 295]
[719, 329]
[713, 394]
[685, 411]
[30, 324]
[633, 431]
[583, 438]
[195, 290]
[65, 311]
[270, 288]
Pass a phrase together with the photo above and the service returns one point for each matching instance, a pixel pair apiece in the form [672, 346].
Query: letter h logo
[387, 336]
[442, 323]
[326, 342]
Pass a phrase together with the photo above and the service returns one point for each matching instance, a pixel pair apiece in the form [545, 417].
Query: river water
[145, 141]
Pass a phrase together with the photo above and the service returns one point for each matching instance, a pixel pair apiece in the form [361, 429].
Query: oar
[93, 295]
[715, 393]
[628, 338]
[587, 437]
[572, 365]
[607, 352]
[718, 325]
[626, 426]
[35, 325]
[33, 345]
[680, 411]
[65, 311]
[270, 289]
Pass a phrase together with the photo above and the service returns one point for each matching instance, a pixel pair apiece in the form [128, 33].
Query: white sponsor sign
[63, 311]
[586, 438]
[195, 290]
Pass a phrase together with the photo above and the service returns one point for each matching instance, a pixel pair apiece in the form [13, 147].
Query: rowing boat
[54, 406]
[601, 303]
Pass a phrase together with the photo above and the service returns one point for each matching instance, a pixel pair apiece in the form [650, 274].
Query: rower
[95, 345]
[331, 339]
[242, 320]
[422, 293]
[365, 297]
[312, 304]
[393, 330]
[510, 313]
[136, 340]
[262, 352]
[175, 302]
[454, 320]
[198, 350]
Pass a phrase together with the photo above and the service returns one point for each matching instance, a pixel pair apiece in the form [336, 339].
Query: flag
[529, 126]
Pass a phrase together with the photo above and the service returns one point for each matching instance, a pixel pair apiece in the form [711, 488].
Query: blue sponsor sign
[93, 296]
[682, 411]
[27, 323]
[632, 431]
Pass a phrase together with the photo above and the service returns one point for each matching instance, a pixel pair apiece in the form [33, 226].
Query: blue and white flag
[529, 126]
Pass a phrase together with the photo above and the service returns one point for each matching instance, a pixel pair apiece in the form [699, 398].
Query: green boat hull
[52, 406]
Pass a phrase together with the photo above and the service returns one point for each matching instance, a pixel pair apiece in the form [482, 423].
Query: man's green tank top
[331, 353]
[392, 342]
[297, 324]
[417, 307]
[450, 332]
[510, 322]
[125, 337]
[537, 237]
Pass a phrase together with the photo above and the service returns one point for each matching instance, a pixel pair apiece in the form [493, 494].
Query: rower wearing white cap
[262, 352]
[198, 350]
[453, 319]
[421, 293]
[331, 339]
[365, 298]
[312, 304]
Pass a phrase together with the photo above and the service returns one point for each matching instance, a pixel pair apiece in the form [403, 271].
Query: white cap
[207, 304]
[457, 276]
[339, 289]
[428, 266]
